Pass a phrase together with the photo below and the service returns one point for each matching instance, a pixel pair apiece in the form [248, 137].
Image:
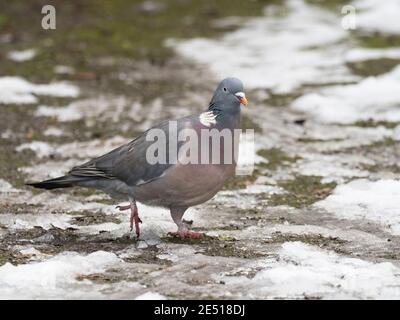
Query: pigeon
[170, 165]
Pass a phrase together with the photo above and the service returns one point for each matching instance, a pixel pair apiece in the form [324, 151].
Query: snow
[280, 51]
[21, 56]
[362, 54]
[376, 98]
[374, 16]
[6, 187]
[87, 149]
[151, 296]
[101, 107]
[18, 90]
[30, 221]
[41, 149]
[54, 278]
[378, 201]
[53, 131]
[302, 271]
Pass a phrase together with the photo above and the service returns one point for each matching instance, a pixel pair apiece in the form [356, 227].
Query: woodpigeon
[175, 164]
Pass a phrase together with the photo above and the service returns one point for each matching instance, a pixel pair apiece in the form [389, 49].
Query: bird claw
[187, 234]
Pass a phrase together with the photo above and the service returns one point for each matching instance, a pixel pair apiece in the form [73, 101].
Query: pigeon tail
[60, 182]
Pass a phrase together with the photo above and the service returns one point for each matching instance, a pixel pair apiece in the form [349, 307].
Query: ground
[318, 217]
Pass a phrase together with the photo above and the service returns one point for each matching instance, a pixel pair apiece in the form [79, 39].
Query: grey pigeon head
[228, 96]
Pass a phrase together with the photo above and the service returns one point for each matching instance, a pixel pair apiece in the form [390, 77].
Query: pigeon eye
[225, 89]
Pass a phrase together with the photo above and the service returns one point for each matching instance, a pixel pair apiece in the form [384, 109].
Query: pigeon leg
[135, 216]
[183, 225]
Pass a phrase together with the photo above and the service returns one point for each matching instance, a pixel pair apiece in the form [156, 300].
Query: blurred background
[322, 79]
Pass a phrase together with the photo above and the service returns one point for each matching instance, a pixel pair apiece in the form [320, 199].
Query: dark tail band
[61, 182]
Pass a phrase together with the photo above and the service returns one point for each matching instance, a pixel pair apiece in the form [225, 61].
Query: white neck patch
[208, 118]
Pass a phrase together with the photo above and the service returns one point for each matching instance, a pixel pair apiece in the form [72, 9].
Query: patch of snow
[280, 51]
[60, 69]
[53, 131]
[362, 54]
[21, 56]
[87, 149]
[330, 167]
[41, 149]
[101, 107]
[6, 187]
[54, 278]
[307, 271]
[151, 296]
[15, 90]
[375, 98]
[30, 221]
[374, 15]
[378, 201]
[49, 169]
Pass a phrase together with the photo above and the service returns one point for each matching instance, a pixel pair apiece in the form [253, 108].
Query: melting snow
[378, 201]
[21, 56]
[375, 98]
[6, 187]
[376, 15]
[151, 296]
[304, 270]
[281, 51]
[54, 278]
[19, 90]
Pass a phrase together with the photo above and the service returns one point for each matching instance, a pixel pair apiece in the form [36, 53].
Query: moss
[372, 124]
[241, 182]
[149, 256]
[313, 239]
[329, 4]
[373, 67]
[248, 123]
[302, 191]
[101, 28]
[9, 256]
[387, 142]
[86, 218]
[394, 168]
[280, 99]
[276, 158]
[3, 21]
[309, 140]
[377, 40]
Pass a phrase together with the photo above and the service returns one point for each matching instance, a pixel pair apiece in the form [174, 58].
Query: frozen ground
[319, 217]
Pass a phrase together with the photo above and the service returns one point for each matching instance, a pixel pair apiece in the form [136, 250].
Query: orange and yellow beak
[242, 98]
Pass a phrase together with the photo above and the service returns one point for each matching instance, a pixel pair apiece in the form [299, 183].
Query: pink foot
[135, 218]
[187, 234]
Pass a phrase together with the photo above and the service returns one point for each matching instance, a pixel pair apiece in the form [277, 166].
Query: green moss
[8, 256]
[377, 40]
[372, 124]
[373, 67]
[3, 21]
[102, 28]
[313, 239]
[281, 100]
[241, 182]
[394, 168]
[329, 4]
[309, 140]
[276, 158]
[248, 123]
[302, 191]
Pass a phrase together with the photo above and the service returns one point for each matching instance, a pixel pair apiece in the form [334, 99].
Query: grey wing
[128, 163]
